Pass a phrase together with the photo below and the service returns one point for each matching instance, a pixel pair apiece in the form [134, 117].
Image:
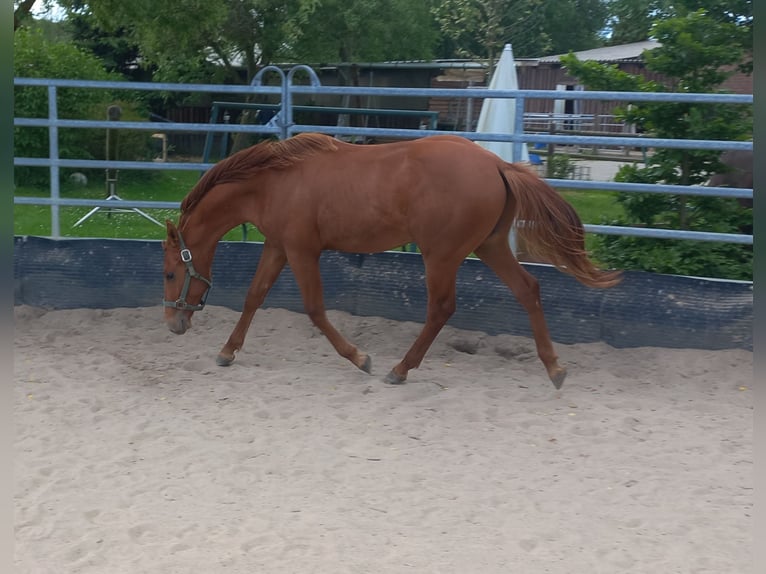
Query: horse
[737, 172]
[312, 192]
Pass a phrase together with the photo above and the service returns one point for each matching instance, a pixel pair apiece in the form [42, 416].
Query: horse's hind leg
[440, 280]
[305, 268]
[497, 254]
[269, 267]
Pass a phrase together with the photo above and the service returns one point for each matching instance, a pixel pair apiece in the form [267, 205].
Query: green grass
[160, 186]
[593, 207]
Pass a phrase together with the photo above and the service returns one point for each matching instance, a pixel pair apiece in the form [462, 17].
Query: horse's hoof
[393, 379]
[223, 361]
[366, 366]
[558, 376]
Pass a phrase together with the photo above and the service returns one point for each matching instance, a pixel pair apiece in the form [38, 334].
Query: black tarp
[646, 309]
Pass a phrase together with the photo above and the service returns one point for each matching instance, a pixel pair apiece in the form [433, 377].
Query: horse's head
[186, 281]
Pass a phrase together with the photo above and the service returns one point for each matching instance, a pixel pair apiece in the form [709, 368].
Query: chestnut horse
[738, 172]
[312, 192]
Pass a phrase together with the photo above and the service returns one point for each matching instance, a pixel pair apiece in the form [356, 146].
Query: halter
[181, 303]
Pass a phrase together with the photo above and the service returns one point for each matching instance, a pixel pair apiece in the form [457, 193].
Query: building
[545, 73]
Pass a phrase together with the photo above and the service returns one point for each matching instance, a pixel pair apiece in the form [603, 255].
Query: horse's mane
[247, 162]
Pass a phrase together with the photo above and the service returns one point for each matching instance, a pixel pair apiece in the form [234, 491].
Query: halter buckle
[186, 255]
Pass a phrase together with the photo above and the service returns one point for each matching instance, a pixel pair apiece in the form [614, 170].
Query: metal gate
[284, 126]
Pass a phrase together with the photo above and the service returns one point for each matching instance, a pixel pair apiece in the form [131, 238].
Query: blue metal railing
[284, 127]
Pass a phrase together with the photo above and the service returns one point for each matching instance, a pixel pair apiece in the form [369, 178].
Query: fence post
[53, 150]
[518, 128]
[287, 98]
[258, 81]
[206, 151]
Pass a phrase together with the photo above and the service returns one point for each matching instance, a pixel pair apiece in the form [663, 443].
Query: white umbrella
[498, 115]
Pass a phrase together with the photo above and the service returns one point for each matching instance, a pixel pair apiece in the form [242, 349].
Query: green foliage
[480, 28]
[696, 49]
[675, 257]
[574, 24]
[174, 37]
[182, 39]
[559, 166]
[214, 40]
[694, 258]
[599, 76]
[115, 48]
[363, 31]
[732, 24]
[630, 20]
[35, 57]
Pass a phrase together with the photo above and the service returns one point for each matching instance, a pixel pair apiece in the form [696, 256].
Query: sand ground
[136, 454]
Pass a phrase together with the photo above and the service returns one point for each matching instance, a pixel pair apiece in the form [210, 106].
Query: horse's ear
[172, 233]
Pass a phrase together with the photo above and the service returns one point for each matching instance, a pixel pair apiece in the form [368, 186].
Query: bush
[697, 258]
[560, 166]
[35, 57]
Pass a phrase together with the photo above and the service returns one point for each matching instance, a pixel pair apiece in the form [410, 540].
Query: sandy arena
[136, 454]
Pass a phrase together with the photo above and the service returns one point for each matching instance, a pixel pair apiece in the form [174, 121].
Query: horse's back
[431, 191]
[438, 172]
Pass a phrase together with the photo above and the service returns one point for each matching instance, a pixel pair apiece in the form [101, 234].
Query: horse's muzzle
[179, 323]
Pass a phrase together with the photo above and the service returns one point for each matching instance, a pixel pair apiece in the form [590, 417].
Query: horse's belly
[369, 238]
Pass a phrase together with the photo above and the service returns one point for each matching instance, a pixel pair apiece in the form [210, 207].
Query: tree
[35, 57]
[574, 24]
[114, 47]
[695, 53]
[364, 31]
[182, 38]
[480, 28]
[632, 20]
[21, 12]
[730, 22]
[353, 31]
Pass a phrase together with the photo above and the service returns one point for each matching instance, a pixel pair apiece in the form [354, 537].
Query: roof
[413, 64]
[622, 53]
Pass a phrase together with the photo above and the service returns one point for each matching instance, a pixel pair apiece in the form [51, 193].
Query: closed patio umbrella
[498, 115]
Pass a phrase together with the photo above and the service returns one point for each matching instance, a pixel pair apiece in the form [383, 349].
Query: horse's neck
[210, 219]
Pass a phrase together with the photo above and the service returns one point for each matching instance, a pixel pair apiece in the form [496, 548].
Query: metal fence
[283, 126]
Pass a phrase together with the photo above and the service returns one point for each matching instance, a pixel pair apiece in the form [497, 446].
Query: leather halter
[181, 303]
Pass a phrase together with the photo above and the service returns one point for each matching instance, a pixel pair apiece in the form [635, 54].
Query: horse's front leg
[272, 262]
[440, 281]
[305, 268]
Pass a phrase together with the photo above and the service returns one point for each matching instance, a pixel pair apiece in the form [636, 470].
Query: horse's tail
[551, 228]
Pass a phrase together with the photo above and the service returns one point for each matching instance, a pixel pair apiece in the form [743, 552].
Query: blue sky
[55, 13]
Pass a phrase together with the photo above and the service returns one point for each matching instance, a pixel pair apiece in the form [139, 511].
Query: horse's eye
[170, 276]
